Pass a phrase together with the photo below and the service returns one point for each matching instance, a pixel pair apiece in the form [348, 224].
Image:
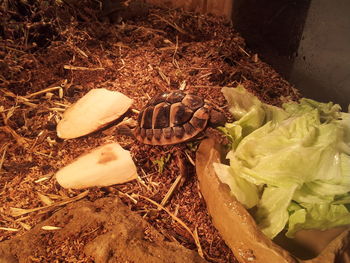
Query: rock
[93, 111]
[106, 165]
[106, 230]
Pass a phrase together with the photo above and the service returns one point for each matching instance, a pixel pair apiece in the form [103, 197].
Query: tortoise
[175, 117]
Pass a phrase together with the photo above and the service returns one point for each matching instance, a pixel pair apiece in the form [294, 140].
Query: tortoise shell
[172, 117]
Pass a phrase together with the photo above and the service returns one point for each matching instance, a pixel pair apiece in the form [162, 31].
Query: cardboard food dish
[240, 232]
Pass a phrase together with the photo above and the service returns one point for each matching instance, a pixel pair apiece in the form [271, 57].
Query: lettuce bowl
[242, 234]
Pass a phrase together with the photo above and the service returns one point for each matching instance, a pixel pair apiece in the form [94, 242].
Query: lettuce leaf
[317, 216]
[245, 192]
[292, 163]
[272, 214]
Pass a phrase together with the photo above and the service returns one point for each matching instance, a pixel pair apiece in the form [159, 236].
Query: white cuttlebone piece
[106, 165]
[93, 111]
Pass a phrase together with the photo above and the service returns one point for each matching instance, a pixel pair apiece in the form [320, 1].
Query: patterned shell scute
[172, 117]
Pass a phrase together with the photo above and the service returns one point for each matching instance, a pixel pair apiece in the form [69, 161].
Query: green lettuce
[292, 164]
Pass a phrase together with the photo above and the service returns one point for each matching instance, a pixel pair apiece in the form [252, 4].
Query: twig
[19, 211]
[162, 75]
[179, 181]
[175, 63]
[57, 109]
[205, 75]
[190, 159]
[42, 91]
[148, 29]
[245, 52]
[3, 156]
[12, 95]
[44, 154]
[81, 52]
[9, 229]
[20, 140]
[183, 85]
[128, 196]
[171, 190]
[13, 49]
[175, 26]
[70, 67]
[143, 183]
[135, 111]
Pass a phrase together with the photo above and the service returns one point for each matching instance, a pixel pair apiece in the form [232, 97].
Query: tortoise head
[216, 118]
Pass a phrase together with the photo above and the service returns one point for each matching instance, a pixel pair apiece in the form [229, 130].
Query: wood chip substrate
[52, 53]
